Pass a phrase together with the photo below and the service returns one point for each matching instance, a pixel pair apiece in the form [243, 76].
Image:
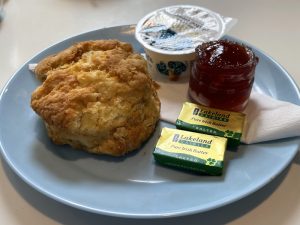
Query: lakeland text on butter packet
[212, 121]
[189, 150]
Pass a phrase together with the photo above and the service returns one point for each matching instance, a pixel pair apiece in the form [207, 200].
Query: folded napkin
[267, 118]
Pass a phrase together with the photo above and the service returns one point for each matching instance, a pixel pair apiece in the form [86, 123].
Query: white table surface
[32, 25]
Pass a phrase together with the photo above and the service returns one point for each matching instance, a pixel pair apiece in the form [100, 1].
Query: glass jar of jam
[222, 75]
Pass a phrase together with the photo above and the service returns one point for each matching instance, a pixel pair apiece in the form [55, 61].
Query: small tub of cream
[170, 35]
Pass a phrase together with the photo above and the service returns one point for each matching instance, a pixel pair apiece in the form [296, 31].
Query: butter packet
[192, 151]
[207, 120]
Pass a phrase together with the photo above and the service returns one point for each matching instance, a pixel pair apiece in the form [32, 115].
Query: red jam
[222, 75]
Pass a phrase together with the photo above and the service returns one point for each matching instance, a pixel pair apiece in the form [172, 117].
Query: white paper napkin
[266, 118]
[270, 119]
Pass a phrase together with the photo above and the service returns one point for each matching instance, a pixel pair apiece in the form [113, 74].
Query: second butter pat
[212, 121]
[192, 151]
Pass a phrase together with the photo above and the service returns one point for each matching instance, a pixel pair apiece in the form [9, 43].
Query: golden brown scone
[97, 96]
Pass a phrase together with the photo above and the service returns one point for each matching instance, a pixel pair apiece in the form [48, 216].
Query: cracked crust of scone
[97, 96]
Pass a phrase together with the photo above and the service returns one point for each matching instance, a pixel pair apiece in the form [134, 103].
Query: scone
[97, 96]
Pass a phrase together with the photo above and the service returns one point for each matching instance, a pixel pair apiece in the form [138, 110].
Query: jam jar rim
[253, 59]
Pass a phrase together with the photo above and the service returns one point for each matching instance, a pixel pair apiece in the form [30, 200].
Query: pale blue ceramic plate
[134, 186]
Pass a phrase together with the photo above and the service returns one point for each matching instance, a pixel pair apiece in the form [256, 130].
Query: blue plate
[134, 186]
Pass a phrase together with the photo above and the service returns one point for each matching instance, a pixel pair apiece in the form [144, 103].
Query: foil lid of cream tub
[181, 28]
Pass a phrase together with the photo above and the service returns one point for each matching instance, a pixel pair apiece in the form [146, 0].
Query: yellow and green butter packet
[192, 151]
[212, 121]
